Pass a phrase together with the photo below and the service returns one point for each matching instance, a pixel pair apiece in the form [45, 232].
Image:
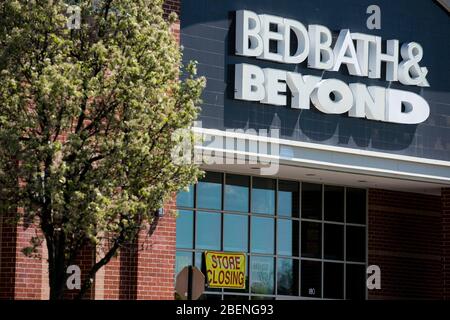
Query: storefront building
[326, 146]
[338, 189]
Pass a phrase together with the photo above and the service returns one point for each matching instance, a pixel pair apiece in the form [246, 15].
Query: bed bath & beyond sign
[255, 33]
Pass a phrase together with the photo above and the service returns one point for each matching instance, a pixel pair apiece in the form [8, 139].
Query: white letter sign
[272, 38]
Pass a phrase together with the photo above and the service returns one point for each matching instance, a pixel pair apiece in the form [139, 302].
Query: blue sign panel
[208, 35]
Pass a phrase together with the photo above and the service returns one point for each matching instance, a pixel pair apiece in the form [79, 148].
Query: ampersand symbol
[409, 71]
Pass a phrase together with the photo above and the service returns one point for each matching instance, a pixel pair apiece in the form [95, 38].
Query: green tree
[87, 118]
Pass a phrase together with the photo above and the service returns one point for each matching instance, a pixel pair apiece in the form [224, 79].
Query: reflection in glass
[356, 205]
[356, 244]
[311, 239]
[311, 278]
[334, 203]
[232, 231]
[199, 261]
[333, 280]
[209, 191]
[355, 282]
[263, 238]
[236, 193]
[185, 227]
[288, 198]
[287, 277]
[235, 233]
[208, 231]
[333, 242]
[287, 237]
[186, 198]
[182, 259]
[263, 196]
[262, 275]
[312, 201]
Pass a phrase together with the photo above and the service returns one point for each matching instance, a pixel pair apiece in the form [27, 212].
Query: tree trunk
[56, 267]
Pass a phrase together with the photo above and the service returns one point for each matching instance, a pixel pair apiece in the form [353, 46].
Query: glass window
[334, 203]
[287, 277]
[332, 254]
[333, 242]
[288, 199]
[209, 191]
[199, 261]
[182, 259]
[311, 239]
[312, 201]
[333, 280]
[262, 275]
[356, 244]
[186, 198]
[355, 281]
[287, 237]
[311, 278]
[356, 206]
[263, 238]
[235, 232]
[236, 193]
[185, 229]
[263, 196]
[208, 233]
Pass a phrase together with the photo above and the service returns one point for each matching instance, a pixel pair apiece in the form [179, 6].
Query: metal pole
[189, 291]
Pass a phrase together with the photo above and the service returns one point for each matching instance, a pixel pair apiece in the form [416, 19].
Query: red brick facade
[8, 235]
[405, 242]
[21, 277]
[172, 6]
[144, 270]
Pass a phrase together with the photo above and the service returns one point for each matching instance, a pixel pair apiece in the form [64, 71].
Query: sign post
[190, 283]
[189, 291]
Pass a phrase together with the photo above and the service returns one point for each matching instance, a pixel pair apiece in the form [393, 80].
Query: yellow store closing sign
[225, 270]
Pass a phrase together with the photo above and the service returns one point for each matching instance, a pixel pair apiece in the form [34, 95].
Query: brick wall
[156, 267]
[144, 270]
[21, 277]
[28, 273]
[120, 276]
[85, 261]
[8, 235]
[172, 6]
[405, 241]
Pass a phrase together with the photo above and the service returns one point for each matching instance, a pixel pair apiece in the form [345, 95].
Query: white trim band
[312, 155]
